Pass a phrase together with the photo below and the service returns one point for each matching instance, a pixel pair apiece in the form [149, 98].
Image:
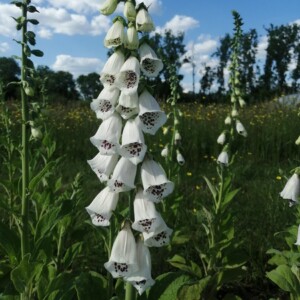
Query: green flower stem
[130, 292]
[109, 277]
[25, 144]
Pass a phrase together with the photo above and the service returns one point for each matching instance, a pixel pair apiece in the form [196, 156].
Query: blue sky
[71, 32]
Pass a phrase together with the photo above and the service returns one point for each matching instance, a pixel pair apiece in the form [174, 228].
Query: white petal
[123, 176]
[223, 158]
[180, 158]
[115, 35]
[108, 135]
[108, 7]
[103, 165]
[298, 237]
[150, 114]
[102, 206]
[221, 139]
[155, 183]
[160, 237]
[291, 190]
[123, 258]
[128, 105]
[133, 143]
[241, 129]
[151, 65]
[144, 21]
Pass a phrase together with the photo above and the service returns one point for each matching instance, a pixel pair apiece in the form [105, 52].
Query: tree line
[277, 74]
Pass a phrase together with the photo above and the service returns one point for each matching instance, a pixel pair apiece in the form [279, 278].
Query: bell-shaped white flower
[180, 159]
[128, 78]
[221, 138]
[298, 237]
[142, 278]
[242, 102]
[103, 165]
[151, 65]
[143, 20]
[234, 113]
[108, 7]
[101, 208]
[132, 38]
[297, 142]
[123, 176]
[133, 143]
[111, 68]
[116, 35]
[240, 128]
[123, 257]
[129, 10]
[128, 105]
[108, 135]
[146, 218]
[104, 105]
[177, 138]
[159, 237]
[150, 114]
[36, 133]
[291, 190]
[155, 183]
[223, 158]
[165, 151]
[228, 120]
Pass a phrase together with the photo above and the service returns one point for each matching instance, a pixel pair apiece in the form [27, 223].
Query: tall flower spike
[104, 105]
[116, 35]
[128, 78]
[128, 105]
[142, 278]
[143, 20]
[291, 190]
[123, 257]
[150, 114]
[155, 183]
[131, 39]
[103, 165]
[133, 143]
[123, 177]
[108, 7]
[101, 208]
[108, 135]
[151, 65]
[146, 218]
[158, 238]
[111, 69]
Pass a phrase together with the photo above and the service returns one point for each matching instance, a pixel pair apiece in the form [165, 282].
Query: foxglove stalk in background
[223, 157]
[116, 35]
[291, 190]
[131, 39]
[158, 238]
[129, 11]
[108, 7]
[151, 116]
[104, 105]
[133, 143]
[240, 128]
[111, 68]
[142, 278]
[151, 65]
[180, 159]
[108, 135]
[101, 208]
[146, 218]
[123, 258]
[103, 165]
[143, 20]
[128, 78]
[128, 105]
[123, 176]
[155, 183]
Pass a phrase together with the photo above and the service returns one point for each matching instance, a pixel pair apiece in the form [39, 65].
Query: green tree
[89, 85]
[207, 80]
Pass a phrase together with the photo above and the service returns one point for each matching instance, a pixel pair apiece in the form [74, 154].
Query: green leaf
[193, 291]
[230, 275]
[33, 21]
[32, 9]
[180, 263]
[71, 254]
[167, 286]
[37, 53]
[211, 187]
[17, 3]
[229, 196]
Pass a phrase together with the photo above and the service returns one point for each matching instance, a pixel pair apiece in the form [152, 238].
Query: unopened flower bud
[298, 141]
[176, 121]
[109, 7]
[132, 38]
[165, 130]
[228, 120]
[129, 11]
[180, 158]
[234, 113]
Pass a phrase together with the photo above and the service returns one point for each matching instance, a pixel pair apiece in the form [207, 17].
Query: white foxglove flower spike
[151, 116]
[103, 165]
[133, 143]
[111, 68]
[291, 190]
[143, 20]
[155, 183]
[101, 208]
[132, 38]
[180, 159]
[123, 258]
[108, 7]
[129, 11]
[128, 78]
[128, 105]
[122, 179]
[104, 105]
[158, 238]
[142, 278]
[298, 237]
[223, 158]
[151, 65]
[116, 35]
[108, 135]
[146, 218]
[240, 128]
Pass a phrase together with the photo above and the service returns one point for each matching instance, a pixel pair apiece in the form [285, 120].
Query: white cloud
[261, 48]
[4, 47]
[179, 24]
[79, 6]
[155, 6]
[7, 24]
[77, 65]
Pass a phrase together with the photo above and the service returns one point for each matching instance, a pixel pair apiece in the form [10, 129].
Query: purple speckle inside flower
[106, 145]
[149, 65]
[134, 149]
[146, 224]
[149, 119]
[109, 79]
[157, 190]
[161, 238]
[121, 268]
[105, 106]
[130, 79]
